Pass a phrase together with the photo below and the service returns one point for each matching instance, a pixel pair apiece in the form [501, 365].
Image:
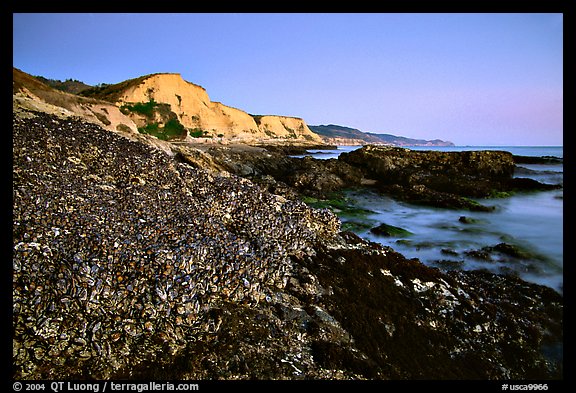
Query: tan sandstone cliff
[176, 98]
[195, 110]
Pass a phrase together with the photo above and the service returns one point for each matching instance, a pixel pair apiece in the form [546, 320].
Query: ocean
[530, 221]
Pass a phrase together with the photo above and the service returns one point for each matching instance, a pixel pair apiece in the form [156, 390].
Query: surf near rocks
[442, 179]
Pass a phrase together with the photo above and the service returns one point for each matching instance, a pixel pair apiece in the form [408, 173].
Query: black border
[410, 6]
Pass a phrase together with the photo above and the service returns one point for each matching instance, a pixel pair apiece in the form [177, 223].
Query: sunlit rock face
[195, 110]
[31, 94]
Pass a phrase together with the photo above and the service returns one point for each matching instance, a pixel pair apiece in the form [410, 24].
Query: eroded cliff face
[194, 109]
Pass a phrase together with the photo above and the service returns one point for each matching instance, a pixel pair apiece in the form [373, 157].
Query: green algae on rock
[390, 231]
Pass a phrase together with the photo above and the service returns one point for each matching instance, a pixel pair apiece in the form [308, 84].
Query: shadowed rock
[537, 160]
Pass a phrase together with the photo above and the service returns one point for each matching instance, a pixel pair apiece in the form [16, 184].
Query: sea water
[530, 221]
[327, 154]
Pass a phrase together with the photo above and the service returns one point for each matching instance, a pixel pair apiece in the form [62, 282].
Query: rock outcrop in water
[274, 169]
[443, 179]
[130, 263]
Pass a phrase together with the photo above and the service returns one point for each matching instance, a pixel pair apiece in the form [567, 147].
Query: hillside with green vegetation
[72, 86]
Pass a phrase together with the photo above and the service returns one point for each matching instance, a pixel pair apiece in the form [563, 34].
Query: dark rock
[433, 178]
[288, 150]
[442, 171]
[273, 186]
[537, 160]
[449, 264]
[334, 356]
[503, 249]
[355, 226]
[390, 231]
[483, 254]
[306, 175]
[440, 179]
[526, 184]
[344, 207]
[315, 181]
[511, 250]
[448, 251]
[423, 314]
[296, 149]
[515, 258]
[421, 195]
[320, 177]
[467, 220]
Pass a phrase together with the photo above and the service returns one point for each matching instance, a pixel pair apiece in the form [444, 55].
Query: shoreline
[133, 263]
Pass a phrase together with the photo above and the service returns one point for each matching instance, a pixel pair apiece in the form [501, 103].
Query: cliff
[192, 107]
[163, 105]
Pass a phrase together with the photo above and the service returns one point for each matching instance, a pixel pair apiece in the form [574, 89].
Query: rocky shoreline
[432, 178]
[129, 262]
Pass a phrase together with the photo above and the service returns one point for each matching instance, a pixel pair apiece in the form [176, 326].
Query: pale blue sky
[473, 79]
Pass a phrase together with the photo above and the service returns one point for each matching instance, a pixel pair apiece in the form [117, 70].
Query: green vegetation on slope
[143, 108]
[173, 129]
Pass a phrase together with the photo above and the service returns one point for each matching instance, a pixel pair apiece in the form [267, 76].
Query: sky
[475, 79]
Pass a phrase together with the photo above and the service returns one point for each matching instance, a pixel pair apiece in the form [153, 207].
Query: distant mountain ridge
[335, 134]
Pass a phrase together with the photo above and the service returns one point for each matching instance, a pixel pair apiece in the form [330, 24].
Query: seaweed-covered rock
[390, 231]
[467, 220]
[420, 194]
[409, 321]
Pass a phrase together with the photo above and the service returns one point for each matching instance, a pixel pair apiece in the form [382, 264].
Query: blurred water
[531, 221]
[534, 151]
[327, 154]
